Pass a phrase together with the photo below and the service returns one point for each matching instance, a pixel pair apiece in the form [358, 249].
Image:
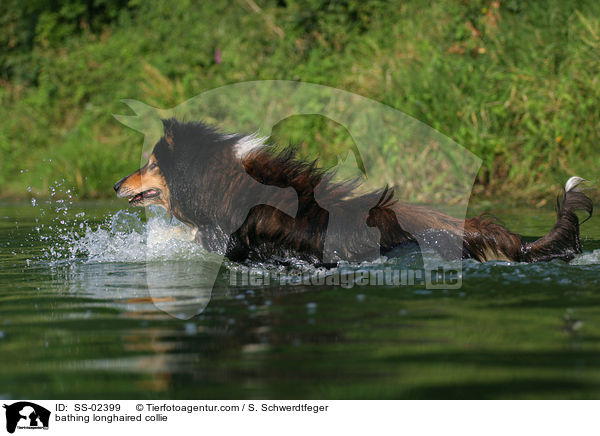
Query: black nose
[118, 184]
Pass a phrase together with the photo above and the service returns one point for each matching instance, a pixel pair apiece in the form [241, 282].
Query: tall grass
[515, 82]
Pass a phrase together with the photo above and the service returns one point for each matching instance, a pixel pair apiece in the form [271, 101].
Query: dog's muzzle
[117, 185]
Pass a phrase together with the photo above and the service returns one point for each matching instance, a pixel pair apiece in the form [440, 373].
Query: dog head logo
[204, 166]
[26, 415]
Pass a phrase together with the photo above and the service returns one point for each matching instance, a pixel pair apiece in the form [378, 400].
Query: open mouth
[146, 195]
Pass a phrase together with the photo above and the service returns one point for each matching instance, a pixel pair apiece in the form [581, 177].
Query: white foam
[587, 258]
[124, 237]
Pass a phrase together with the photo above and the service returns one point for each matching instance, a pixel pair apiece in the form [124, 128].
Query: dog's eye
[153, 166]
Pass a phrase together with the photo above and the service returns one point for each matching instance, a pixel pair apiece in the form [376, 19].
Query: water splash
[125, 237]
[587, 258]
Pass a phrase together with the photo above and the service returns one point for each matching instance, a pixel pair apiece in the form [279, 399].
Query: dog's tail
[562, 241]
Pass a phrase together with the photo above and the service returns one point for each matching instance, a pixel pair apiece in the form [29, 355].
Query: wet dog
[248, 201]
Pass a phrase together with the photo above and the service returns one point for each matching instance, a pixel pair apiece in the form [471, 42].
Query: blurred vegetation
[515, 82]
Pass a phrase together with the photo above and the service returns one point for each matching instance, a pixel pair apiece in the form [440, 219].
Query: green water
[81, 325]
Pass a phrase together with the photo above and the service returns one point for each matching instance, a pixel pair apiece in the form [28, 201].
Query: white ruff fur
[247, 144]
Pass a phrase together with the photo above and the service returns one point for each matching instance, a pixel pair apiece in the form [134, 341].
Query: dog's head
[173, 176]
[145, 186]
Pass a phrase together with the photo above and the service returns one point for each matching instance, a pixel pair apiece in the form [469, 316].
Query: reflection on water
[100, 303]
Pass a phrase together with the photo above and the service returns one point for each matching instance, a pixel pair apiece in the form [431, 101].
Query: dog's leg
[238, 248]
[267, 232]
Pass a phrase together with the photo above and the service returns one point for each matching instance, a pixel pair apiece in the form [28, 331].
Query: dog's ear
[169, 129]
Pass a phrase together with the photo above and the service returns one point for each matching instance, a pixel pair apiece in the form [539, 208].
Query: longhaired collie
[248, 201]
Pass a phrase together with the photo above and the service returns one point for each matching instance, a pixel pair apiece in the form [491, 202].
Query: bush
[515, 82]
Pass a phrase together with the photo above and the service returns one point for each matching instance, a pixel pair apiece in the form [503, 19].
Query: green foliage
[40, 24]
[515, 82]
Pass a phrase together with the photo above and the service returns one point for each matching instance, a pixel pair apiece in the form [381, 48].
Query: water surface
[77, 320]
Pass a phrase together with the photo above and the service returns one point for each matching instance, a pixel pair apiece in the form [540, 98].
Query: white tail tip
[572, 184]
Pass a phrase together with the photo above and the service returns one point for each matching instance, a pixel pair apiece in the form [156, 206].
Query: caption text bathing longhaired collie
[235, 190]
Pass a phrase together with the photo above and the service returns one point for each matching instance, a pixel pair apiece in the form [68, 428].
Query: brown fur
[146, 178]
